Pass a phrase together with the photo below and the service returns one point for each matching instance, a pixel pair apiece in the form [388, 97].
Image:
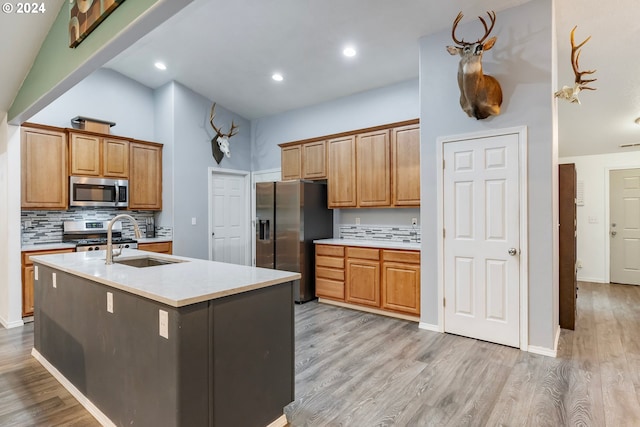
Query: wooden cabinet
[330, 272]
[44, 181]
[145, 176]
[291, 162]
[363, 276]
[158, 247]
[372, 169]
[401, 281]
[405, 165]
[28, 277]
[314, 160]
[341, 179]
[92, 155]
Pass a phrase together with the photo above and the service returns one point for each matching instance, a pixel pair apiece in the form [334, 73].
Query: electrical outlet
[27, 224]
[35, 273]
[163, 320]
[110, 302]
[357, 221]
[53, 280]
[414, 221]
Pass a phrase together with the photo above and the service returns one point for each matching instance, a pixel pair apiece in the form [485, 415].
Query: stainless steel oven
[87, 191]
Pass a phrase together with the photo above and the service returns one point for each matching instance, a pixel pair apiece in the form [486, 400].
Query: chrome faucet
[110, 255]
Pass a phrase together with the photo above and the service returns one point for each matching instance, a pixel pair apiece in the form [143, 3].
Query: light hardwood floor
[359, 369]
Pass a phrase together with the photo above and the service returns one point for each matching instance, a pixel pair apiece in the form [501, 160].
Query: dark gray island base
[227, 361]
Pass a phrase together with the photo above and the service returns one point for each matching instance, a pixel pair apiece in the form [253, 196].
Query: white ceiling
[227, 51]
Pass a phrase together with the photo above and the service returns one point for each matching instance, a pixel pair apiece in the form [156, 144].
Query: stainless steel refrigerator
[290, 215]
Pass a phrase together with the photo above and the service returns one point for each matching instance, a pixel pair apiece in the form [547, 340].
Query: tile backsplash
[46, 226]
[395, 233]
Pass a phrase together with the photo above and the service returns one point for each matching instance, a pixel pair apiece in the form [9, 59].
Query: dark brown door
[568, 280]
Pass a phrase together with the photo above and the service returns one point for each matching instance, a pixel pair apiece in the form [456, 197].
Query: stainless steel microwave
[87, 191]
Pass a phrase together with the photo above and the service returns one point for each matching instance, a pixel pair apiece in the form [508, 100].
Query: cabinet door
[85, 155]
[44, 182]
[401, 287]
[405, 158]
[116, 158]
[291, 162]
[145, 176]
[314, 160]
[341, 179]
[373, 177]
[363, 282]
[27, 291]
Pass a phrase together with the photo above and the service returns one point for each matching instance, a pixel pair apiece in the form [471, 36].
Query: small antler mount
[220, 142]
[571, 93]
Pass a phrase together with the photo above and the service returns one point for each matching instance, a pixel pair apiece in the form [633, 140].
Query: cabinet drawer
[330, 273]
[159, 247]
[330, 250]
[363, 253]
[412, 257]
[26, 256]
[330, 289]
[327, 261]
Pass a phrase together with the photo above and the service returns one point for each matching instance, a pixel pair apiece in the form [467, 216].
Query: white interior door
[481, 243]
[229, 222]
[624, 229]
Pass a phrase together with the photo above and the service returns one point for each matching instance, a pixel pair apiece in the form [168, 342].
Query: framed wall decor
[86, 15]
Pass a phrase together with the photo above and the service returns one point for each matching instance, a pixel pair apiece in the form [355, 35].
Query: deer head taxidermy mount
[571, 93]
[220, 142]
[480, 94]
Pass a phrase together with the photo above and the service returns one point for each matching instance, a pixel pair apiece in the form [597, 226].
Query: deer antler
[232, 131]
[487, 30]
[575, 57]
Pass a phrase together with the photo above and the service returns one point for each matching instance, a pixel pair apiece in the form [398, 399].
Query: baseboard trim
[551, 352]
[280, 422]
[369, 310]
[429, 327]
[8, 325]
[81, 398]
[592, 279]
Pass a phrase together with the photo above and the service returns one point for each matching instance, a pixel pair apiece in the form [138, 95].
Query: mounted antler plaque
[480, 94]
[571, 93]
[220, 142]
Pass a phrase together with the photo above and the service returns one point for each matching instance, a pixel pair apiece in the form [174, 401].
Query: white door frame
[521, 131]
[247, 194]
[607, 217]
[257, 176]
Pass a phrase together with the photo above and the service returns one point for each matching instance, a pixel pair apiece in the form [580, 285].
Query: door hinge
[442, 163]
[444, 233]
[444, 302]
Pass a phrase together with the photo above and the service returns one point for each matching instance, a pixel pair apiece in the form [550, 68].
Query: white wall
[527, 85]
[105, 95]
[10, 274]
[389, 104]
[164, 133]
[593, 235]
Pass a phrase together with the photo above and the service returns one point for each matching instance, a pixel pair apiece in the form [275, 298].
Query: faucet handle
[116, 251]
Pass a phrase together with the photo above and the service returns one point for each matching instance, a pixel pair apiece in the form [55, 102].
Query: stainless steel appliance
[290, 215]
[87, 191]
[91, 235]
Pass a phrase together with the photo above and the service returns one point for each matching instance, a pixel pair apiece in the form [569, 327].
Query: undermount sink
[147, 261]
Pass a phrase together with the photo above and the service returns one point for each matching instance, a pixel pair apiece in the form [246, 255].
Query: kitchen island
[167, 340]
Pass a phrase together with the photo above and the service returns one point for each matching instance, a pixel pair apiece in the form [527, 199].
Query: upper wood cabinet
[405, 165]
[43, 156]
[145, 176]
[291, 162]
[341, 179]
[314, 160]
[92, 155]
[372, 169]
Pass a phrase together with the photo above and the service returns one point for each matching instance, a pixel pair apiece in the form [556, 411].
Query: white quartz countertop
[47, 246]
[177, 284]
[384, 244]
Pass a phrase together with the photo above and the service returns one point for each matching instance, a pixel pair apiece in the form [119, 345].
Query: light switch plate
[193, 221]
[163, 319]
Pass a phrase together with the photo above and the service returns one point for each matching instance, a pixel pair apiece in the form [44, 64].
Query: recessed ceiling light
[277, 77]
[349, 51]
[160, 66]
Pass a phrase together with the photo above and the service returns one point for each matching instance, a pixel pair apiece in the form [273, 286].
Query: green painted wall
[56, 60]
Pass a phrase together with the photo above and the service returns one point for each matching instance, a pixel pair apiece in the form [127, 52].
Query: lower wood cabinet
[158, 247]
[28, 276]
[381, 279]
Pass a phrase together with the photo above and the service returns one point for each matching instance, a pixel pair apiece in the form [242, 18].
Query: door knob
[513, 251]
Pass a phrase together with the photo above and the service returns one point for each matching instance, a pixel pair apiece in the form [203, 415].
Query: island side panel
[253, 358]
[118, 360]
